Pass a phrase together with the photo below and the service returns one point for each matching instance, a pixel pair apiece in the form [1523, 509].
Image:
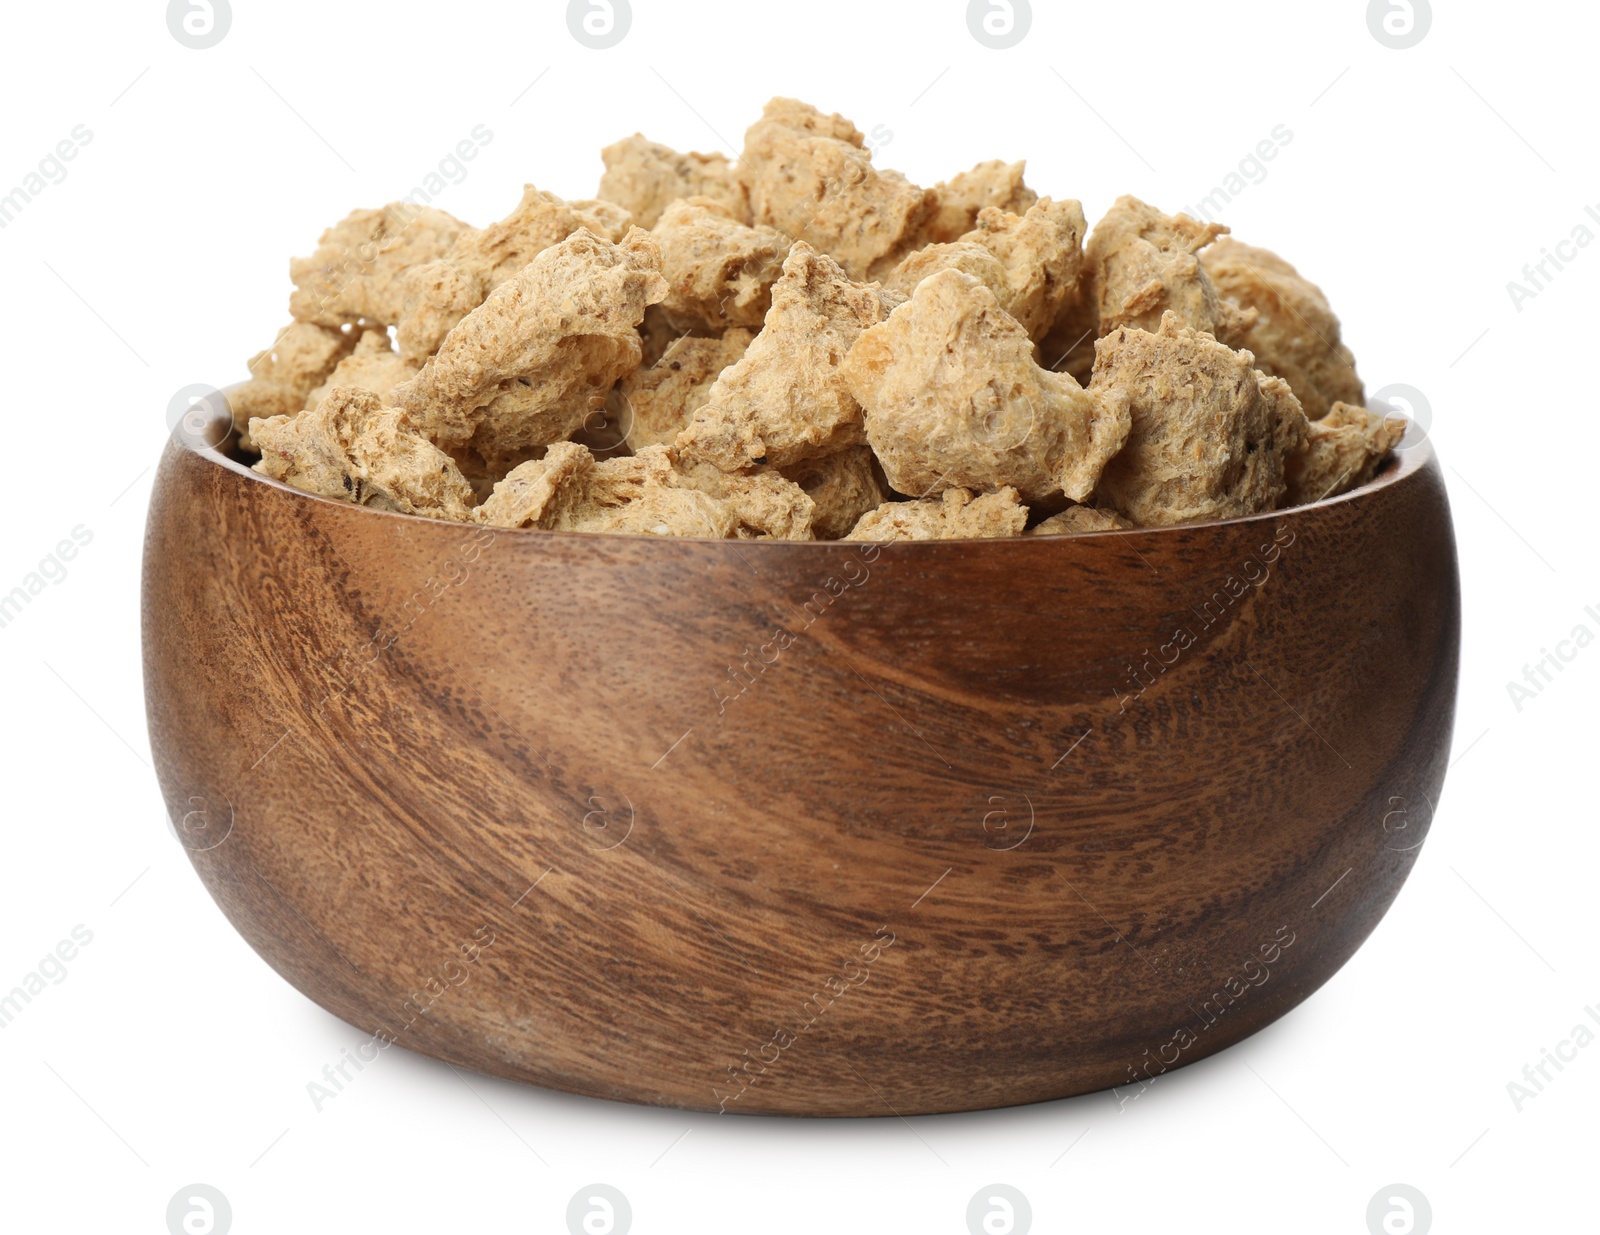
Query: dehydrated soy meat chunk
[810, 176]
[1141, 263]
[653, 405]
[258, 400]
[1295, 334]
[438, 294]
[542, 352]
[786, 399]
[1076, 519]
[603, 218]
[719, 272]
[1210, 434]
[765, 503]
[646, 177]
[1042, 252]
[301, 356]
[1030, 262]
[954, 515]
[538, 492]
[957, 201]
[843, 486]
[953, 398]
[357, 273]
[1343, 451]
[646, 494]
[374, 366]
[282, 376]
[967, 256]
[350, 446]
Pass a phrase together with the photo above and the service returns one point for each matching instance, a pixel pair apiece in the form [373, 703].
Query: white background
[1417, 184]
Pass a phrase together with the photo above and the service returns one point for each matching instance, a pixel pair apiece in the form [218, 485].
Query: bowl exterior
[813, 829]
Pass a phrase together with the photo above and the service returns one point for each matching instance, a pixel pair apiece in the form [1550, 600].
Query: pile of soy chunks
[797, 344]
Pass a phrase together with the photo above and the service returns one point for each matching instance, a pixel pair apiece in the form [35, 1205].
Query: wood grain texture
[510, 800]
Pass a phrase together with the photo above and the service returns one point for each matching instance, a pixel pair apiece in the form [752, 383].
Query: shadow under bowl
[794, 827]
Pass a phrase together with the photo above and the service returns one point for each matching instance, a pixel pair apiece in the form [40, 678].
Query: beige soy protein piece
[1030, 262]
[283, 376]
[357, 274]
[810, 176]
[350, 446]
[719, 272]
[956, 514]
[786, 399]
[767, 504]
[438, 294]
[1075, 519]
[526, 367]
[653, 405]
[959, 200]
[1210, 435]
[1295, 334]
[844, 486]
[645, 177]
[1343, 451]
[1141, 264]
[645, 494]
[374, 366]
[953, 398]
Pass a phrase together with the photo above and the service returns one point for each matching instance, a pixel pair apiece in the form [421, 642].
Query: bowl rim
[1412, 455]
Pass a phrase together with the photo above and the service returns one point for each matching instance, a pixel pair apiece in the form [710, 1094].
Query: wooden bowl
[800, 828]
